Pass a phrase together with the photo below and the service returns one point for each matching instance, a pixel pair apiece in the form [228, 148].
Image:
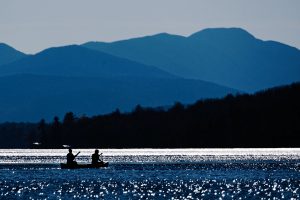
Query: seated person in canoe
[96, 159]
[71, 158]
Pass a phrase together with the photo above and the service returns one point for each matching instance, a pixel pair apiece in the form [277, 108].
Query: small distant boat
[83, 166]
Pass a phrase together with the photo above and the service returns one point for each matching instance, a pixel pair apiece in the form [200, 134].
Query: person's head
[96, 151]
[70, 150]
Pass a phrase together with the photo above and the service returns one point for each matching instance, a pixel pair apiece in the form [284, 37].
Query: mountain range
[227, 56]
[77, 61]
[74, 78]
[159, 70]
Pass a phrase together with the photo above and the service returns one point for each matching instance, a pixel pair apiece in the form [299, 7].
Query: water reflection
[153, 189]
[150, 155]
[152, 175]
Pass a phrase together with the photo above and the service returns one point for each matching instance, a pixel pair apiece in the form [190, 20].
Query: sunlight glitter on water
[156, 189]
[148, 155]
[153, 174]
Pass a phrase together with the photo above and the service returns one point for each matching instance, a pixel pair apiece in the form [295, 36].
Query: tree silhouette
[269, 118]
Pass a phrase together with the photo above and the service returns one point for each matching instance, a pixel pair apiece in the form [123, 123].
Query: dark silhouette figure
[96, 158]
[71, 158]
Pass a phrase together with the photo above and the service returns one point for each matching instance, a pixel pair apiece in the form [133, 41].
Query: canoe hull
[83, 166]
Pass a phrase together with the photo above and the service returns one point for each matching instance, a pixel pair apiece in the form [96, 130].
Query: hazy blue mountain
[9, 54]
[75, 60]
[85, 81]
[227, 56]
[32, 97]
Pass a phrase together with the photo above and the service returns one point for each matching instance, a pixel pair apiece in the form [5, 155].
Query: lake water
[153, 174]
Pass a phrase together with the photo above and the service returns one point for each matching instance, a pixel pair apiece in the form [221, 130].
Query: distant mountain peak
[74, 52]
[62, 48]
[227, 56]
[164, 35]
[3, 45]
[79, 61]
[230, 33]
[8, 54]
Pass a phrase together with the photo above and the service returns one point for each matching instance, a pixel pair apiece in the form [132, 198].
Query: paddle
[77, 154]
[101, 157]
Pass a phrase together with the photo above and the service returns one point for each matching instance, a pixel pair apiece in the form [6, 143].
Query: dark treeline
[268, 118]
[17, 135]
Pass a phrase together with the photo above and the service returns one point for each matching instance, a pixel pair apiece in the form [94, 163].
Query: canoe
[83, 166]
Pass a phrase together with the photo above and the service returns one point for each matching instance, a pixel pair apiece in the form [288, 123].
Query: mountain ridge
[151, 71]
[74, 60]
[29, 97]
[228, 56]
[8, 54]
[85, 81]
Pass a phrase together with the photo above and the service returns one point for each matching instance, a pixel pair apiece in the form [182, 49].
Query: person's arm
[77, 154]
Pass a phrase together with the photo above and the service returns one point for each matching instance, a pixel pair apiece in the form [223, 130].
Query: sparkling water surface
[152, 174]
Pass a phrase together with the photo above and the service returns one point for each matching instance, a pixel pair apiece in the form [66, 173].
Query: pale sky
[33, 25]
